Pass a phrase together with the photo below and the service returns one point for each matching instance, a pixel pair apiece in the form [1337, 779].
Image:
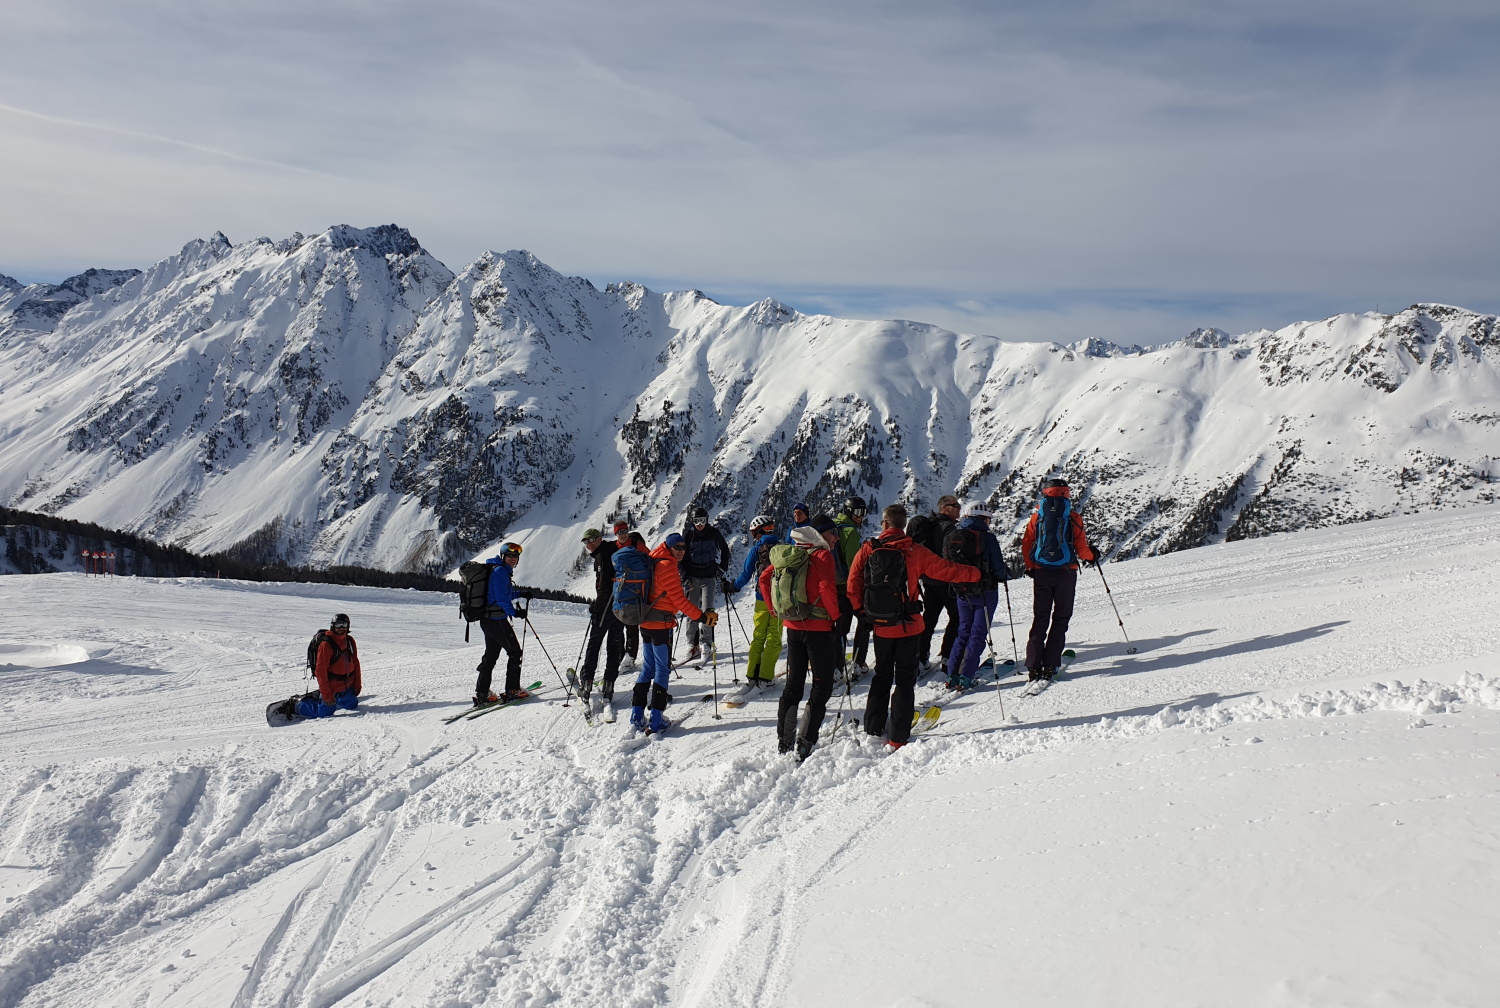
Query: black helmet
[855, 506]
[1054, 482]
[339, 620]
[698, 511]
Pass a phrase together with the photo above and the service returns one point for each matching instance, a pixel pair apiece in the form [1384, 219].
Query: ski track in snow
[159, 845]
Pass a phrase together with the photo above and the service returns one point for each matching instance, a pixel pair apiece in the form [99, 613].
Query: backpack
[963, 546]
[320, 637]
[790, 565]
[474, 596]
[920, 528]
[762, 558]
[703, 552]
[1054, 547]
[886, 601]
[631, 598]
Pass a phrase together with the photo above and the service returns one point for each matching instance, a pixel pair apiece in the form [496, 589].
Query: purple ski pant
[974, 615]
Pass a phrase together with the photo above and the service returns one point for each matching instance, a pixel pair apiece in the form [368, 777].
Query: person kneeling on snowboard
[667, 600]
[337, 670]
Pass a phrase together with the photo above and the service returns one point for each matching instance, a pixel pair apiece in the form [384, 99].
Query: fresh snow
[1287, 797]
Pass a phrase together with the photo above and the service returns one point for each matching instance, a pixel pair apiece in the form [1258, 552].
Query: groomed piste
[1287, 796]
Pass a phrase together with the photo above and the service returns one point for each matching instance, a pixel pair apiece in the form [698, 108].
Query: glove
[1030, 572]
[1089, 563]
[521, 612]
[709, 618]
[727, 586]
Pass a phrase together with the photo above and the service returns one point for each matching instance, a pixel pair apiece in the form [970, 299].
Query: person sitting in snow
[337, 670]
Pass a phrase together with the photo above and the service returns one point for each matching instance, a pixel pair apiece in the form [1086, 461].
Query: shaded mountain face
[346, 399]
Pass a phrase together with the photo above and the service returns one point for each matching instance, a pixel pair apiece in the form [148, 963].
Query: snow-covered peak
[40, 306]
[9, 283]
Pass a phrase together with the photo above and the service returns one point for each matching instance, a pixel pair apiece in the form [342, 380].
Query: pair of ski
[480, 710]
[1037, 687]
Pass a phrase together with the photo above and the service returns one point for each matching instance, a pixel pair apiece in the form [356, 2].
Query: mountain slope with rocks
[347, 399]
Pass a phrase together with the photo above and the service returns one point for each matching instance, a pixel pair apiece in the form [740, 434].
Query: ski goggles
[512, 549]
[340, 628]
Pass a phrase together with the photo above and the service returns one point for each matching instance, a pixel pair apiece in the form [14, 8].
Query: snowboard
[284, 712]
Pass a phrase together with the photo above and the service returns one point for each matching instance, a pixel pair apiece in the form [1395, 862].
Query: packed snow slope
[1288, 796]
[347, 399]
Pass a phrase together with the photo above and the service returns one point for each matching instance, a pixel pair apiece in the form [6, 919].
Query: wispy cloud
[1026, 164]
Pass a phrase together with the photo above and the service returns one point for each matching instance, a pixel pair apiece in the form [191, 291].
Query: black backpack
[762, 559]
[320, 637]
[963, 546]
[886, 601]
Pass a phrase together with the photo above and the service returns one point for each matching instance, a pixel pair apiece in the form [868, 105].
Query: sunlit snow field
[1287, 797]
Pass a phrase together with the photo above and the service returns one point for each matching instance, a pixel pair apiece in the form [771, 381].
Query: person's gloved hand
[1089, 563]
[347, 700]
[727, 586]
[522, 611]
[709, 618]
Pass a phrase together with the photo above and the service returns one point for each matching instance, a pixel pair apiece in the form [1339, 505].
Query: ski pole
[713, 660]
[989, 636]
[567, 690]
[1111, 595]
[729, 624]
[1010, 616]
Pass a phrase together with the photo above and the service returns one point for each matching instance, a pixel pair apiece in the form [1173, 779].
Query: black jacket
[937, 534]
[604, 574]
[719, 555]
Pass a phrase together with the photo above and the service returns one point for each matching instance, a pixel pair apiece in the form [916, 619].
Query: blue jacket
[500, 594]
[795, 525]
[748, 573]
[991, 547]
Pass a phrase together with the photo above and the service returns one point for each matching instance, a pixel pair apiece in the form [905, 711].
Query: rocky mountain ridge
[347, 399]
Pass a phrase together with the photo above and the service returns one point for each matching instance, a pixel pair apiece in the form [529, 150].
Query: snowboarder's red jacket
[337, 666]
[1081, 548]
[822, 590]
[920, 561]
[666, 591]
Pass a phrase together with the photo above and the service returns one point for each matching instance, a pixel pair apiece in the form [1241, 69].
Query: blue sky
[1129, 170]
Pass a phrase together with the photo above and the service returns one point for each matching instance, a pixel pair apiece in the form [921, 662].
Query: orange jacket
[666, 591]
[1081, 548]
[337, 667]
[822, 590]
[920, 561]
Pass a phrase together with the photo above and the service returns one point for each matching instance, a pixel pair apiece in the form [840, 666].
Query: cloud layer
[1028, 169]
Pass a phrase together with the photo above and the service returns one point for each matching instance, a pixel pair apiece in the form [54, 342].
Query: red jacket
[822, 590]
[337, 666]
[1081, 548]
[666, 591]
[920, 561]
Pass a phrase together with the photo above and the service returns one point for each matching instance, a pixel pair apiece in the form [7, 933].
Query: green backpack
[789, 567]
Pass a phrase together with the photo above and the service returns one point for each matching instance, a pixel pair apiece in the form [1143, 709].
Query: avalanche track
[1239, 813]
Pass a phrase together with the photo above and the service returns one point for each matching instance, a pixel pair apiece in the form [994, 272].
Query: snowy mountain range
[347, 399]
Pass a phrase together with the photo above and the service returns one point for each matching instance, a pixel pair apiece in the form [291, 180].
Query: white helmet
[976, 511]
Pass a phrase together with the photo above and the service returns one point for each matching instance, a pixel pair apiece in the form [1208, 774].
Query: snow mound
[41, 655]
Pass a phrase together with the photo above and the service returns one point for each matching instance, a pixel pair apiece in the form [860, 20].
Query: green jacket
[850, 538]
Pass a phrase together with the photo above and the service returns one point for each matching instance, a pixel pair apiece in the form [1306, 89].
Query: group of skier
[813, 585]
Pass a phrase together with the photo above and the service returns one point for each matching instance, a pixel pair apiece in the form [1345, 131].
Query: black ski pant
[498, 635]
[893, 686]
[1051, 609]
[804, 648]
[606, 630]
[633, 641]
[861, 629]
[938, 597]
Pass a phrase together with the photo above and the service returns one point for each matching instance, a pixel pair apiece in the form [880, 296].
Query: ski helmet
[1055, 481]
[511, 549]
[855, 506]
[339, 621]
[976, 511]
[763, 524]
[698, 513]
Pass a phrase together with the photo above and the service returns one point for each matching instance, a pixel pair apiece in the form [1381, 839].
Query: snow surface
[1287, 797]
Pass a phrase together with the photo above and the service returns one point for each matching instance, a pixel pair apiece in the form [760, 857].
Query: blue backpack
[631, 597]
[1054, 547]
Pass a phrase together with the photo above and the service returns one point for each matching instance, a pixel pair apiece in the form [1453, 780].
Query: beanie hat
[800, 506]
[823, 523]
[673, 539]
